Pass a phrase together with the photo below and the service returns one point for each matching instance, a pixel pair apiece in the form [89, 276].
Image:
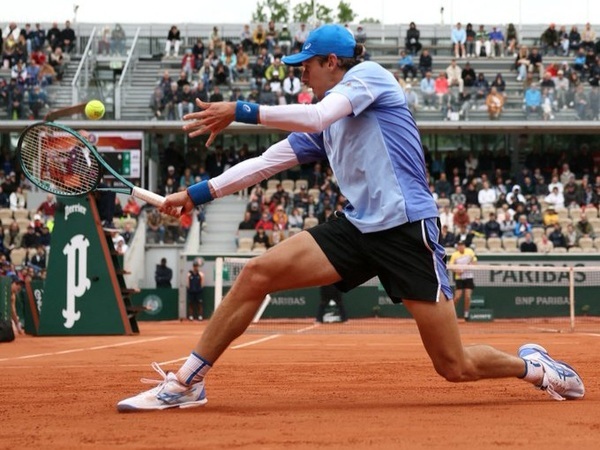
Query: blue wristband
[246, 112]
[200, 193]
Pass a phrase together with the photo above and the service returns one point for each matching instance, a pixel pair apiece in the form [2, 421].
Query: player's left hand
[177, 204]
[213, 118]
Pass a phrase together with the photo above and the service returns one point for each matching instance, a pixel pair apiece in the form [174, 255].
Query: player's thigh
[293, 263]
[438, 329]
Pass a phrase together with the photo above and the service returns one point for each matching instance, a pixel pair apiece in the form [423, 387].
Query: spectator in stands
[534, 217]
[492, 228]
[447, 238]
[584, 228]
[442, 91]
[555, 198]
[458, 197]
[458, 37]
[58, 61]
[550, 217]
[300, 36]
[295, 219]
[215, 42]
[305, 96]
[533, 101]
[104, 41]
[581, 102]
[528, 246]
[173, 42]
[522, 226]
[425, 62]
[406, 66]
[155, 227]
[443, 187]
[563, 41]
[285, 40]
[499, 84]
[272, 36]
[48, 207]
[291, 87]
[222, 75]
[411, 42]
[461, 218]
[561, 89]
[39, 38]
[522, 63]
[454, 73]
[17, 199]
[132, 208]
[261, 239]
[481, 89]
[246, 38]
[267, 96]
[185, 101]
[487, 196]
[469, 76]
[482, 43]
[30, 238]
[571, 236]
[412, 100]
[496, 43]
[447, 218]
[53, 36]
[470, 42]
[544, 244]
[157, 104]
[512, 40]
[555, 182]
[13, 237]
[557, 237]
[241, 70]
[188, 64]
[550, 40]
[275, 74]
[495, 103]
[259, 38]
[118, 38]
[38, 100]
[588, 37]
[428, 92]
[536, 62]
[67, 38]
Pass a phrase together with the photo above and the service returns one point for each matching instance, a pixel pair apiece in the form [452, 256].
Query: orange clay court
[301, 390]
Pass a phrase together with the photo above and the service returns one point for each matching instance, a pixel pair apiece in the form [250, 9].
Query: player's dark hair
[348, 63]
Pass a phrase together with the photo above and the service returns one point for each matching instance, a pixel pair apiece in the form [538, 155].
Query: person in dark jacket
[163, 274]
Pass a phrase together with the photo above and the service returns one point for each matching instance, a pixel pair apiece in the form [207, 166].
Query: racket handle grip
[148, 196]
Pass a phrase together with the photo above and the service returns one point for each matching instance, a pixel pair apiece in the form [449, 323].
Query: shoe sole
[545, 352]
[131, 408]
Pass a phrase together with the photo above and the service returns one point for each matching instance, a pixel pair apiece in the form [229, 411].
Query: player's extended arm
[215, 117]
[278, 157]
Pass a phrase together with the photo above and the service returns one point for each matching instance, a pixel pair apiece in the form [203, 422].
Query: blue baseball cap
[323, 41]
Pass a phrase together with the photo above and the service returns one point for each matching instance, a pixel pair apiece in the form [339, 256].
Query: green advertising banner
[81, 295]
[158, 304]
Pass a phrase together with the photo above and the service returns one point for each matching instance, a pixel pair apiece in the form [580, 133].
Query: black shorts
[467, 283]
[408, 259]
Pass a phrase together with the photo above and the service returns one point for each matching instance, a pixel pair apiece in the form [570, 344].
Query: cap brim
[297, 59]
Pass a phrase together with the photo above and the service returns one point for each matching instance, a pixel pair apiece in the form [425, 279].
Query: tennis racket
[59, 160]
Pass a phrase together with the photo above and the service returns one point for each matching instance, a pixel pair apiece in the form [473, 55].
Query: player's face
[318, 75]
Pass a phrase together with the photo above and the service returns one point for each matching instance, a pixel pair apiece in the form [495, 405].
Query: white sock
[194, 369]
[534, 372]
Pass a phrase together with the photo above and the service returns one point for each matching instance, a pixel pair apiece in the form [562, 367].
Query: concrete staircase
[136, 96]
[222, 219]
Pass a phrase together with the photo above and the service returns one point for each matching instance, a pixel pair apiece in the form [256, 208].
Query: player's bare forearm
[213, 119]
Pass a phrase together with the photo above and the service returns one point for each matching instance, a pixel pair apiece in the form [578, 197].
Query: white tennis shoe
[560, 380]
[169, 393]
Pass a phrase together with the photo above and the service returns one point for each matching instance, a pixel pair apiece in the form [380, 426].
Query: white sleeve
[275, 159]
[307, 118]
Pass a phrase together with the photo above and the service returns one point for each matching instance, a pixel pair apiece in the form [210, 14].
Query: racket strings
[59, 161]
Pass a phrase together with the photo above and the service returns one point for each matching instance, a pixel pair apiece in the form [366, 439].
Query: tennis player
[390, 229]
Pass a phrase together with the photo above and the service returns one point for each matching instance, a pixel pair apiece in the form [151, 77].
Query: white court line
[256, 341]
[76, 350]
[302, 330]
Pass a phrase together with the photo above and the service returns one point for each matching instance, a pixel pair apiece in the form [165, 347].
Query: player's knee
[453, 371]
[256, 274]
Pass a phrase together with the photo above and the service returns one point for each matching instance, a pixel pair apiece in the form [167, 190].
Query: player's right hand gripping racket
[59, 160]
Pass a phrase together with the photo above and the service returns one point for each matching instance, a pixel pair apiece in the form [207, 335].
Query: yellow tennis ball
[94, 110]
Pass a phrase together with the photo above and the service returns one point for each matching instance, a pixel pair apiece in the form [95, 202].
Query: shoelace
[162, 373]
[547, 386]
